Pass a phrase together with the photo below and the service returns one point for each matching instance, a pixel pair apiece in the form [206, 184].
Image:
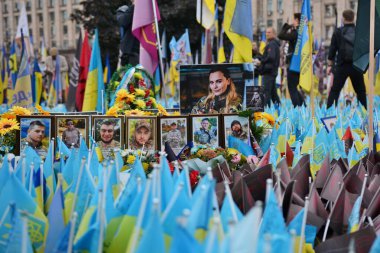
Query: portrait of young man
[35, 133]
[205, 131]
[107, 134]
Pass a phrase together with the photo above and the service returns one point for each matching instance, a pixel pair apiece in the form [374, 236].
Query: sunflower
[264, 115]
[140, 92]
[134, 112]
[162, 110]
[42, 111]
[113, 111]
[124, 96]
[7, 125]
[21, 111]
[154, 102]
[140, 103]
[8, 115]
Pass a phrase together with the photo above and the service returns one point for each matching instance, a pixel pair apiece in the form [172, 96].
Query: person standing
[71, 135]
[289, 33]
[269, 66]
[342, 43]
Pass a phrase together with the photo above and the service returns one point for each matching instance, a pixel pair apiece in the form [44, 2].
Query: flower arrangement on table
[148, 159]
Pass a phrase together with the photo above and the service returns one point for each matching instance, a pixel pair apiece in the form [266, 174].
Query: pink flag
[144, 29]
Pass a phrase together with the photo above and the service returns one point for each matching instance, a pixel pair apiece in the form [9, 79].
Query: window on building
[52, 17]
[64, 2]
[51, 3]
[270, 6]
[64, 16]
[40, 18]
[28, 5]
[39, 4]
[329, 31]
[330, 10]
[279, 6]
[5, 20]
[5, 8]
[65, 44]
[65, 30]
[41, 32]
[17, 6]
[279, 24]
[269, 23]
[353, 5]
[53, 43]
[52, 31]
[29, 19]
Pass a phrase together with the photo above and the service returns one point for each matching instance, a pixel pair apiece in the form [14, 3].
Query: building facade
[48, 20]
[326, 14]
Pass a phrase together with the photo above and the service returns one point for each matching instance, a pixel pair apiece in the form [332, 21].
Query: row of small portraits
[131, 132]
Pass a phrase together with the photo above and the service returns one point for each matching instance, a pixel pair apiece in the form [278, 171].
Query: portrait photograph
[255, 98]
[173, 130]
[108, 133]
[214, 88]
[205, 130]
[237, 127]
[142, 133]
[69, 129]
[35, 132]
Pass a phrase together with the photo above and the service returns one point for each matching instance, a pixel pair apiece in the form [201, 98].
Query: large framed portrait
[141, 133]
[174, 131]
[108, 133]
[205, 130]
[237, 127]
[214, 88]
[70, 128]
[36, 132]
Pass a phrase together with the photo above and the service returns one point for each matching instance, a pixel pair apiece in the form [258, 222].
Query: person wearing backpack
[341, 52]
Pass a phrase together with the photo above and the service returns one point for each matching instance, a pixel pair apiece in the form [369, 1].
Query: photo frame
[36, 131]
[195, 87]
[208, 137]
[237, 126]
[255, 98]
[141, 133]
[175, 131]
[329, 122]
[69, 129]
[108, 133]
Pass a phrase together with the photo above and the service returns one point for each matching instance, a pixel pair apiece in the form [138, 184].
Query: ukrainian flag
[13, 63]
[221, 54]
[55, 90]
[238, 27]
[4, 75]
[36, 83]
[263, 42]
[107, 70]
[302, 57]
[94, 91]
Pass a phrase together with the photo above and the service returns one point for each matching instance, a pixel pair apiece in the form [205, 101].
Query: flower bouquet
[148, 159]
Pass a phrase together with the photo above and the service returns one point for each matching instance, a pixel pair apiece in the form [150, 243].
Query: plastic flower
[42, 111]
[113, 111]
[140, 103]
[8, 115]
[7, 125]
[131, 159]
[140, 92]
[21, 111]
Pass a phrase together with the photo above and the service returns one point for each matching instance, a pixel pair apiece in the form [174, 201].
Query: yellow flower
[113, 111]
[7, 125]
[124, 96]
[134, 112]
[176, 113]
[145, 166]
[137, 75]
[264, 115]
[162, 110]
[232, 151]
[148, 113]
[154, 102]
[131, 159]
[21, 111]
[8, 115]
[140, 92]
[140, 103]
[42, 111]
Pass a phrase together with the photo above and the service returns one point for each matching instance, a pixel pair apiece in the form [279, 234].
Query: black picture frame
[212, 137]
[130, 135]
[182, 126]
[81, 122]
[245, 122]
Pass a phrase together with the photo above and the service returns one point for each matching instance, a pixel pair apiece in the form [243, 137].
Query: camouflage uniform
[107, 148]
[203, 136]
[218, 105]
[174, 138]
[40, 149]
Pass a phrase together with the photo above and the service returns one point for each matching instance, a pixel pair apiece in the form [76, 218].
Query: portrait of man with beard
[237, 127]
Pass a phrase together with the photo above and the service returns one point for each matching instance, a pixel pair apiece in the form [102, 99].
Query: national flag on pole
[23, 29]
[43, 51]
[22, 95]
[107, 70]
[144, 29]
[84, 64]
[74, 76]
[361, 46]
[94, 92]
[238, 27]
[13, 64]
[206, 13]
[263, 42]
[55, 90]
[36, 83]
[221, 54]
[3, 75]
[302, 57]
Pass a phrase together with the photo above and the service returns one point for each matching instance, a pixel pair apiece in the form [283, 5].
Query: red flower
[142, 83]
[194, 177]
[131, 88]
[147, 93]
[149, 103]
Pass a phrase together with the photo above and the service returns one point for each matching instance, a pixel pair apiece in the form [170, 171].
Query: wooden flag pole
[371, 74]
[161, 64]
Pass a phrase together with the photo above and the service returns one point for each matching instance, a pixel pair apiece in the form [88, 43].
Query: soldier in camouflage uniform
[205, 135]
[174, 137]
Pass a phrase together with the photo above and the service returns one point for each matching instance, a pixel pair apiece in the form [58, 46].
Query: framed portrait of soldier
[107, 132]
[173, 131]
[70, 128]
[35, 132]
[237, 127]
[205, 130]
[255, 98]
[141, 133]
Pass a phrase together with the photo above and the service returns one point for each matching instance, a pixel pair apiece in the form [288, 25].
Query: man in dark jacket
[269, 64]
[342, 42]
[129, 45]
[289, 33]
